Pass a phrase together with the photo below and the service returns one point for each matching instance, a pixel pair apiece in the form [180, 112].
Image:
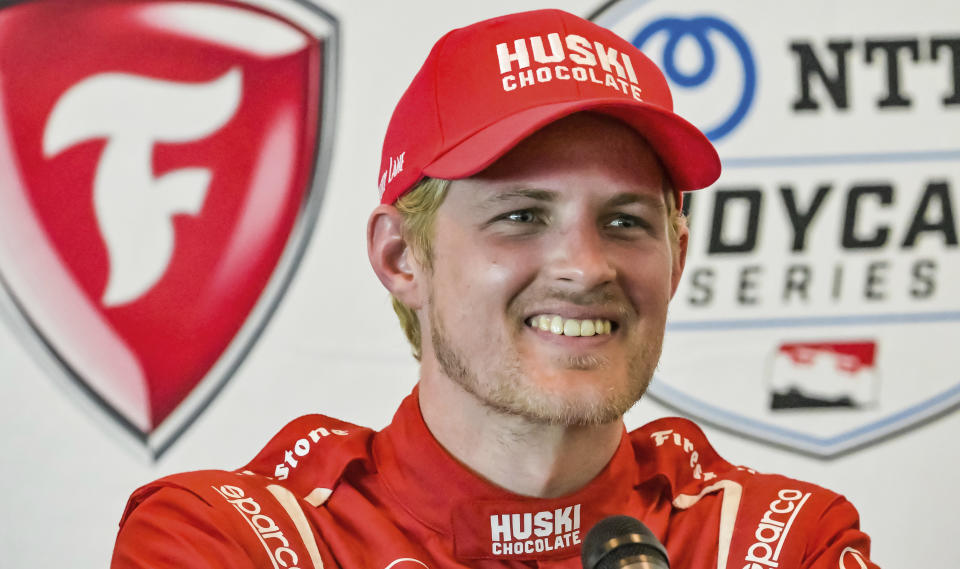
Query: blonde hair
[419, 210]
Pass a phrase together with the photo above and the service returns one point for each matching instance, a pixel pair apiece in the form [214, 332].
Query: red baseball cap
[486, 87]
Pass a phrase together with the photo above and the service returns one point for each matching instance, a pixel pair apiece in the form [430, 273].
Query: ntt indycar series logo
[817, 309]
[535, 532]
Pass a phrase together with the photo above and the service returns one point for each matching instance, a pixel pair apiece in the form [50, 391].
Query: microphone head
[616, 539]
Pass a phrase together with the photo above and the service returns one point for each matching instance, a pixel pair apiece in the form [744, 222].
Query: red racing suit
[327, 494]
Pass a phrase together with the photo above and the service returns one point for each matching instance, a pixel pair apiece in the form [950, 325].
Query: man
[529, 232]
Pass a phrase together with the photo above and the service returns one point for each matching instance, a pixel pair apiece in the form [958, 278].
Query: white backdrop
[333, 347]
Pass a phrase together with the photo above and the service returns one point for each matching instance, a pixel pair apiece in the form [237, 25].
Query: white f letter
[133, 207]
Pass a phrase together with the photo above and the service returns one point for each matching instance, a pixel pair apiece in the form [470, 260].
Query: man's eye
[625, 221]
[522, 216]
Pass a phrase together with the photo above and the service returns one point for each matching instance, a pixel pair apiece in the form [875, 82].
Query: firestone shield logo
[817, 309]
[162, 167]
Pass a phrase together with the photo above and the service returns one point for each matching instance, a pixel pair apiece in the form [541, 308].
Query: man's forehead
[584, 156]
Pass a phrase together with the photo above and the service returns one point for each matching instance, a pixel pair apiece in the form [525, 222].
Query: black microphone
[622, 542]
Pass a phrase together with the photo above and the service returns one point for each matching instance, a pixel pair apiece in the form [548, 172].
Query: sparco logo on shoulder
[161, 167]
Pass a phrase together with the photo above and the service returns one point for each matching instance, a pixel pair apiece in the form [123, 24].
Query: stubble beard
[506, 390]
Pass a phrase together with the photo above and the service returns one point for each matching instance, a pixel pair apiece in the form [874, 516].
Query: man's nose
[579, 256]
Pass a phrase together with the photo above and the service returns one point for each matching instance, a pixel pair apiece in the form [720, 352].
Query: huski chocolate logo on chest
[162, 165]
[817, 309]
[535, 532]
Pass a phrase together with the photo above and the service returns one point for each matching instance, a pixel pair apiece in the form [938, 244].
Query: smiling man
[529, 232]
[541, 299]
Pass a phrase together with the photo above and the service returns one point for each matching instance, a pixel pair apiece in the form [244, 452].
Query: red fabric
[485, 87]
[398, 500]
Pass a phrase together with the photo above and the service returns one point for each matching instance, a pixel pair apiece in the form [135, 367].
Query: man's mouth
[561, 326]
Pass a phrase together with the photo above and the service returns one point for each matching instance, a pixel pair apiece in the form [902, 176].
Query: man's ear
[392, 259]
[679, 256]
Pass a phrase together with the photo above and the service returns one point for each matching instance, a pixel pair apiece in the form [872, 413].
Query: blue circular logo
[698, 29]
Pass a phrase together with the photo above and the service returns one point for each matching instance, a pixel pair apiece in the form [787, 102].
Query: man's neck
[524, 457]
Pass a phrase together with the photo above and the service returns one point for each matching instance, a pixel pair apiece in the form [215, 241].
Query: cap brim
[688, 156]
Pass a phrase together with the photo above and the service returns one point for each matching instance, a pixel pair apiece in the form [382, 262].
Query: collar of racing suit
[487, 522]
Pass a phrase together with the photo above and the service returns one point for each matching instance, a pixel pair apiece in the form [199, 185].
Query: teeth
[588, 328]
[570, 326]
[556, 325]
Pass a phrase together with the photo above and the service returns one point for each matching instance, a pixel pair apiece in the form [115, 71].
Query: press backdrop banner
[184, 191]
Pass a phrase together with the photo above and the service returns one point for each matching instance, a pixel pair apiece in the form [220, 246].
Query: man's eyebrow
[528, 193]
[625, 198]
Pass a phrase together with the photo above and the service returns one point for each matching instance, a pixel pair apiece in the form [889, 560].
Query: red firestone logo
[159, 166]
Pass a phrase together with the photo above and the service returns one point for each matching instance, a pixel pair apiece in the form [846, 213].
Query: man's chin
[584, 404]
[588, 362]
[549, 388]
